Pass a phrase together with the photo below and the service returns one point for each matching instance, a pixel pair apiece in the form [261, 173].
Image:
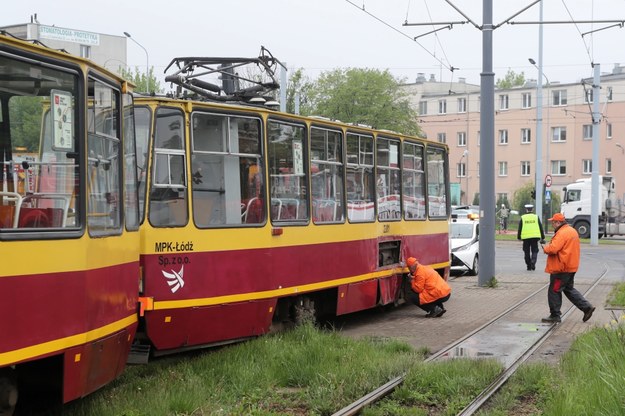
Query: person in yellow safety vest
[531, 232]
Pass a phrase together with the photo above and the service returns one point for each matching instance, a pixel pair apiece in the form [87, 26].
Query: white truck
[576, 207]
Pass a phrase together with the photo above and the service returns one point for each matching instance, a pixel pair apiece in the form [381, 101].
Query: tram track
[446, 353]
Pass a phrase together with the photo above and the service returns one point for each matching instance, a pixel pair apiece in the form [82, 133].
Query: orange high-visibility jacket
[563, 251]
[429, 285]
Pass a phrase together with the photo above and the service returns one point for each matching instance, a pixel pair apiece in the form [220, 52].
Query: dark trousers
[428, 307]
[563, 282]
[530, 248]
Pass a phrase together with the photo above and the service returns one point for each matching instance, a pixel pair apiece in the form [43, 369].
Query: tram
[69, 224]
[252, 217]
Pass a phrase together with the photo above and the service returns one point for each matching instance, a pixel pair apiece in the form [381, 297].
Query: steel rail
[372, 397]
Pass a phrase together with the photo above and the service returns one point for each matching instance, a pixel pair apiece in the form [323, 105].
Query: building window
[442, 106]
[558, 167]
[558, 97]
[527, 100]
[608, 130]
[503, 168]
[609, 94]
[85, 51]
[526, 136]
[462, 138]
[588, 95]
[525, 168]
[461, 171]
[587, 132]
[503, 136]
[608, 165]
[558, 134]
[423, 107]
[462, 105]
[503, 102]
[586, 166]
[441, 137]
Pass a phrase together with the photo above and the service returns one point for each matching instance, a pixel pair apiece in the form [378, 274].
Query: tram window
[103, 149]
[142, 129]
[437, 182]
[38, 169]
[131, 206]
[227, 181]
[326, 169]
[388, 180]
[359, 178]
[168, 191]
[413, 181]
[287, 177]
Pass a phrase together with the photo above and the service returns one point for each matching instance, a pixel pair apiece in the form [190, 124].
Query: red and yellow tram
[252, 217]
[69, 239]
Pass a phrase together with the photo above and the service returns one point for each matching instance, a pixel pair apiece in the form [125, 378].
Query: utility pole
[487, 149]
[594, 181]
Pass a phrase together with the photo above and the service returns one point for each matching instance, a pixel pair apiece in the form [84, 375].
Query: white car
[464, 240]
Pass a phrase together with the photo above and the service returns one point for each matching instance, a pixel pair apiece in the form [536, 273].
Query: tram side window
[437, 182]
[388, 182]
[143, 118]
[287, 177]
[326, 155]
[226, 174]
[168, 193]
[104, 164]
[359, 178]
[38, 165]
[413, 181]
[131, 205]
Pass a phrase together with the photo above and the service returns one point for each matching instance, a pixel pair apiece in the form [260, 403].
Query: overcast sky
[319, 35]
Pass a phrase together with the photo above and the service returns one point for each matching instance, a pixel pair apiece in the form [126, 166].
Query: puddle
[506, 342]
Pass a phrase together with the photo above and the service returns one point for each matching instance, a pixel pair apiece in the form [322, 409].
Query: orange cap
[411, 261]
[557, 217]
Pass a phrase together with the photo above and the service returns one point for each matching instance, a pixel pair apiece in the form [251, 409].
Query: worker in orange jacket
[430, 291]
[562, 263]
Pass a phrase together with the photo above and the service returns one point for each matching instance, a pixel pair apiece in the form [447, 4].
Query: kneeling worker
[430, 289]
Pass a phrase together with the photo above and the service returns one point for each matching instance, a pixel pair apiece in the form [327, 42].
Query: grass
[616, 298]
[303, 372]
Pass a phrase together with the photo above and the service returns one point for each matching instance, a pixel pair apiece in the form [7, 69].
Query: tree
[298, 84]
[512, 79]
[26, 115]
[363, 96]
[140, 80]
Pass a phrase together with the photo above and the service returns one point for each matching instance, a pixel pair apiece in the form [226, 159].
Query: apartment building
[450, 113]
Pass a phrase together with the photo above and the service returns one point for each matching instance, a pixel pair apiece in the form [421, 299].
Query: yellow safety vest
[530, 226]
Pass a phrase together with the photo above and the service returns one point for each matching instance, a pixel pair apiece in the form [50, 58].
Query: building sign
[68, 35]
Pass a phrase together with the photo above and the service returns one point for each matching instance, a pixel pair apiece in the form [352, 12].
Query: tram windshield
[38, 150]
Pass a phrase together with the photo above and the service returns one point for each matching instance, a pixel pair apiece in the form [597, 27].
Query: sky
[321, 35]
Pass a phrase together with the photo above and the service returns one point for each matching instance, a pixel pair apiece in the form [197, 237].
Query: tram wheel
[8, 391]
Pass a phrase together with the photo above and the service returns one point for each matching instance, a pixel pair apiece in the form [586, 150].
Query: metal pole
[487, 150]
[539, 122]
[147, 61]
[594, 192]
[283, 87]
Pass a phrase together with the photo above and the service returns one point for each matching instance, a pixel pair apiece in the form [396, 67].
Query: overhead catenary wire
[449, 67]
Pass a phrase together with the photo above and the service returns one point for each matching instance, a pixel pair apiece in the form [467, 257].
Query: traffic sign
[548, 181]
[547, 195]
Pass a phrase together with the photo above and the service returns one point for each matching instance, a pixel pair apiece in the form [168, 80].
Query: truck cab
[576, 204]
